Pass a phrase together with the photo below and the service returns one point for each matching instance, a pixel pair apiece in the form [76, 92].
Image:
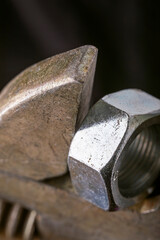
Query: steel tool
[40, 111]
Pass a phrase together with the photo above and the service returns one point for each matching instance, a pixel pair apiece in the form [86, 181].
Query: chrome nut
[115, 155]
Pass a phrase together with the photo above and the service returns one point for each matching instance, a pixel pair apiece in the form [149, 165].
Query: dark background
[127, 34]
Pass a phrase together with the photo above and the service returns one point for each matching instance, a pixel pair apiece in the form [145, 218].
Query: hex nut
[115, 157]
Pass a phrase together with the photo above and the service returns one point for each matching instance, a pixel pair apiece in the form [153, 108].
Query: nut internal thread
[141, 165]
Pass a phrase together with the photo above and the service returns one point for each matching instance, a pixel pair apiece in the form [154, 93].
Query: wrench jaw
[39, 110]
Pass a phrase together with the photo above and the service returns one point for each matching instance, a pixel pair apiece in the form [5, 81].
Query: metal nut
[115, 156]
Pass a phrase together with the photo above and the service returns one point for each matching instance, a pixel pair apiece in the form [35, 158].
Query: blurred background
[126, 32]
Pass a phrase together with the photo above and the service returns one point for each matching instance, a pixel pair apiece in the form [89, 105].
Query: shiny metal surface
[115, 155]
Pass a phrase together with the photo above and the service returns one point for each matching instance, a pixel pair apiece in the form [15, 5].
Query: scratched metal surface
[38, 113]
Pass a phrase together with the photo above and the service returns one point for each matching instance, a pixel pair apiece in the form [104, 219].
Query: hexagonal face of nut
[90, 151]
[108, 149]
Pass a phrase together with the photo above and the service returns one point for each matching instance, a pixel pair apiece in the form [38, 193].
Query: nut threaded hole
[141, 165]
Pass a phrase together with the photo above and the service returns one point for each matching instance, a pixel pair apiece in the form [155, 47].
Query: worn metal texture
[63, 215]
[38, 113]
[122, 157]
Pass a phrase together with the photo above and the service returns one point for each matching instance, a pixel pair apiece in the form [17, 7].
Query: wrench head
[39, 110]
